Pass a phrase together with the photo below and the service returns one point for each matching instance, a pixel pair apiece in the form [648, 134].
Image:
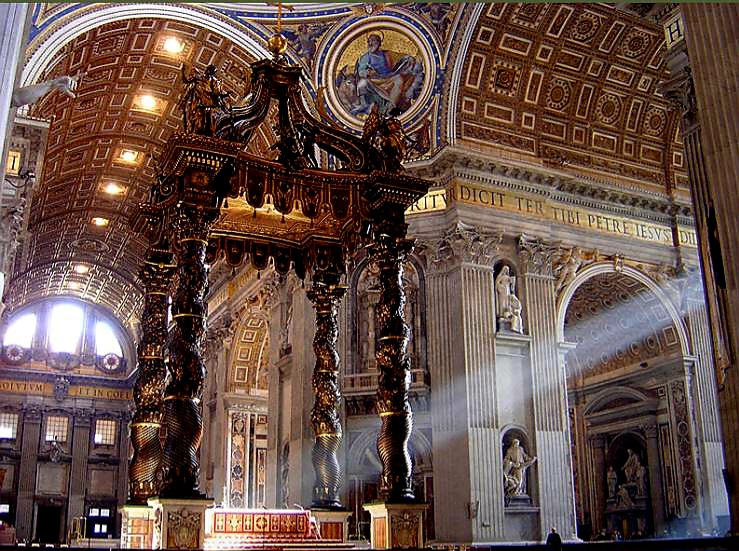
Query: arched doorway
[631, 413]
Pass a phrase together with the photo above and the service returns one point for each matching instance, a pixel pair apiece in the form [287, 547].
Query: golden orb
[277, 44]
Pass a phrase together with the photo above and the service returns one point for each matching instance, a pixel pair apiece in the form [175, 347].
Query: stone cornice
[451, 163]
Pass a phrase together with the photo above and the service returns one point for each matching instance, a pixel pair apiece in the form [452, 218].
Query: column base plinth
[179, 523]
[396, 525]
[333, 523]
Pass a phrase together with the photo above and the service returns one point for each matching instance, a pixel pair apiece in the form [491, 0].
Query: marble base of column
[179, 523]
[332, 525]
[137, 527]
[396, 525]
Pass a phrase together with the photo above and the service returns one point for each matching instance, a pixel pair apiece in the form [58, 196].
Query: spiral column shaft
[149, 387]
[394, 366]
[324, 415]
[182, 415]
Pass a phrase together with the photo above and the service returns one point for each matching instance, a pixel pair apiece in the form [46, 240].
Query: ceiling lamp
[81, 268]
[147, 102]
[129, 156]
[114, 189]
[173, 45]
[100, 221]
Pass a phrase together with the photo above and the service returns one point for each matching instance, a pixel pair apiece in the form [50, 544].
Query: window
[21, 331]
[105, 433]
[56, 429]
[8, 425]
[105, 340]
[65, 328]
[100, 521]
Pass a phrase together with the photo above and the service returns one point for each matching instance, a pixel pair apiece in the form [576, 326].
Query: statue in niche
[641, 481]
[507, 305]
[631, 467]
[612, 479]
[515, 464]
[623, 499]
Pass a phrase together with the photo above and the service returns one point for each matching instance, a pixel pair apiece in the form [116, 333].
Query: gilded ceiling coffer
[283, 209]
[148, 392]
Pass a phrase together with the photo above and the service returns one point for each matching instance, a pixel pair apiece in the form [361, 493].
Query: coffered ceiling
[571, 86]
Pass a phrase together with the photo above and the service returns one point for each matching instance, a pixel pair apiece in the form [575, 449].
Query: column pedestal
[179, 523]
[137, 526]
[332, 525]
[396, 525]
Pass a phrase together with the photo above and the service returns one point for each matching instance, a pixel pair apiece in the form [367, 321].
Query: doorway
[48, 523]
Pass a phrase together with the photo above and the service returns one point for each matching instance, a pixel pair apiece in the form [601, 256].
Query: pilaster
[549, 387]
[466, 434]
[80, 452]
[27, 472]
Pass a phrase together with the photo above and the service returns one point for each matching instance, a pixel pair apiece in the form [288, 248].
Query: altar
[231, 528]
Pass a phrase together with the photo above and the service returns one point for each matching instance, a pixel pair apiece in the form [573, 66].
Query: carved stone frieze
[462, 243]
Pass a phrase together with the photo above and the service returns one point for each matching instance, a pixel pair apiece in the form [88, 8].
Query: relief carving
[463, 243]
[183, 529]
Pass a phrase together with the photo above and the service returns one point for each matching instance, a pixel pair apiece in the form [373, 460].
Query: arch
[456, 78]
[98, 15]
[565, 298]
[250, 343]
[605, 396]
[367, 441]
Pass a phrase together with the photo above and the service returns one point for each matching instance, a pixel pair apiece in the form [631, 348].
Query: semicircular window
[66, 335]
[20, 332]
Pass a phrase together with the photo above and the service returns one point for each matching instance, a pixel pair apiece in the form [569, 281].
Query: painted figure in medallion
[391, 80]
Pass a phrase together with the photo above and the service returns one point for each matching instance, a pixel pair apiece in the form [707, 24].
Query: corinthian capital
[463, 243]
[536, 255]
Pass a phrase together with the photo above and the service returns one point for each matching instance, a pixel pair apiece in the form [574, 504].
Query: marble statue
[623, 499]
[631, 467]
[515, 464]
[641, 480]
[31, 94]
[612, 479]
[507, 305]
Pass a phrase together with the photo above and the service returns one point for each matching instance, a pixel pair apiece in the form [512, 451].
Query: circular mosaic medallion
[383, 65]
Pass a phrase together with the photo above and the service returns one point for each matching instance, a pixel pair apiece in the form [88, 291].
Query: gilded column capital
[462, 243]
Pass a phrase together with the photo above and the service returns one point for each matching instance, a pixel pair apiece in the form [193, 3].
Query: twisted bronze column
[148, 390]
[324, 416]
[394, 365]
[182, 414]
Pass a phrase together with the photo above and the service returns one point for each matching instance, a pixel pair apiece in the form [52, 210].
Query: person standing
[554, 541]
